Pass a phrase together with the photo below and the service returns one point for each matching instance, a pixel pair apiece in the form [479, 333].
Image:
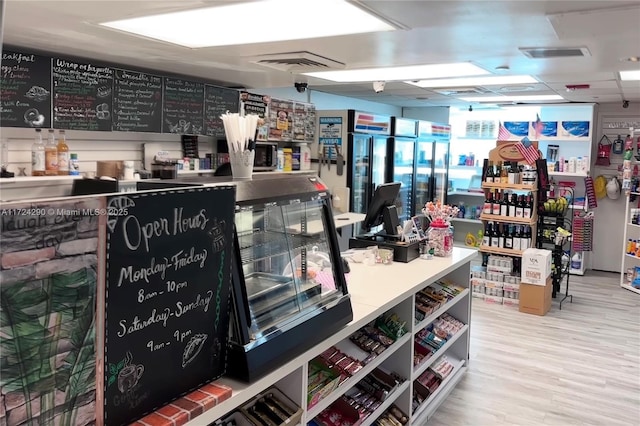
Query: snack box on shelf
[393, 415]
[340, 413]
[268, 407]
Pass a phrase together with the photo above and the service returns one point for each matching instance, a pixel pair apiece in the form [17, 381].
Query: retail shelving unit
[631, 231]
[376, 290]
[532, 221]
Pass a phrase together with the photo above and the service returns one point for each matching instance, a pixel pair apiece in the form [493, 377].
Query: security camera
[378, 86]
[625, 104]
[300, 87]
[470, 108]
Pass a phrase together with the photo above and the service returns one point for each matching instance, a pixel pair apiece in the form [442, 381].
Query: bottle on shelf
[576, 261]
[504, 174]
[501, 232]
[516, 238]
[520, 207]
[504, 206]
[527, 209]
[525, 238]
[38, 155]
[494, 235]
[51, 155]
[508, 237]
[63, 154]
[512, 205]
[487, 208]
[495, 206]
[489, 176]
[486, 237]
[497, 172]
[74, 165]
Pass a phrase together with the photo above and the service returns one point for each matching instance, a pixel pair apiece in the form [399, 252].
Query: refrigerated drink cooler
[289, 286]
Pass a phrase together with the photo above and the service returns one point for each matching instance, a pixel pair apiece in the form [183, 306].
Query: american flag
[537, 126]
[503, 133]
[527, 150]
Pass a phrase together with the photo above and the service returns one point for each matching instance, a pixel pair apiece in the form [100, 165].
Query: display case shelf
[498, 250]
[431, 318]
[421, 368]
[386, 404]
[423, 412]
[353, 380]
[512, 186]
[509, 219]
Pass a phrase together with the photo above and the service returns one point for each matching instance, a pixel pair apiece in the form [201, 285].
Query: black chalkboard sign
[183, 107]
[217, 101]
[137, 102]
[168, 279]
[25, 90]
[82, 95]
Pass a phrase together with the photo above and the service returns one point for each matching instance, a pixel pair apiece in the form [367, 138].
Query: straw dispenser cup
[241, 141]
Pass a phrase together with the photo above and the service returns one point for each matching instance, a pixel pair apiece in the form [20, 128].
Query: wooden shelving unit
[508, 186]
[498, 250]
[508, 219]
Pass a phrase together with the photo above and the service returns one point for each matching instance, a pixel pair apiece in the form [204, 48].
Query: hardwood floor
[577, 366]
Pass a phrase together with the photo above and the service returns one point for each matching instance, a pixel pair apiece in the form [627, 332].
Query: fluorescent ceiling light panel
[513, 98]
[239, 23]
[412, 72]
[630, 75]
[475, 81]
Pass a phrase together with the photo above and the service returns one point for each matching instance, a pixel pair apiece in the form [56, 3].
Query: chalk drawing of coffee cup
[129, 377]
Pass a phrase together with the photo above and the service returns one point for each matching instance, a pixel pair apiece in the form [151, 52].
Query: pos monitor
[382, 209]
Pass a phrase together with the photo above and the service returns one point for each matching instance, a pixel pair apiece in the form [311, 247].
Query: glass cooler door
[286, 262]
[403, 173]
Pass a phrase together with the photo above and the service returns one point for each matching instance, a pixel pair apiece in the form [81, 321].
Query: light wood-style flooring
[577, 366]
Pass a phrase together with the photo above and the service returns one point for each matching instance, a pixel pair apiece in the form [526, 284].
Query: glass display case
[289, 285]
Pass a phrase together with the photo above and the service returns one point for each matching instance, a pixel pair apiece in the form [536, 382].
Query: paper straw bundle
[240, 131]
[241, 140]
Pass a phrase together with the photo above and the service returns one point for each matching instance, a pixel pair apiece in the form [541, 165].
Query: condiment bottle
[51, 155]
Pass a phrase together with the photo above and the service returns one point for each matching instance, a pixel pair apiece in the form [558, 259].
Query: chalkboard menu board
[137, 102]
[82, 95]
[183, 107]
[168, 279]
[25, 90]
[217, 101]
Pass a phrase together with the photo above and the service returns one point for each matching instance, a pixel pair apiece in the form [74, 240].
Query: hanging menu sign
[183, 107]
[25, 90]
[168, 279]
[251, 103]
[218, 101]
[82, 95]
[137, 102]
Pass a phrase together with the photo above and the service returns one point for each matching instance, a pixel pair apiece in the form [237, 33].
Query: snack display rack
[549, 238]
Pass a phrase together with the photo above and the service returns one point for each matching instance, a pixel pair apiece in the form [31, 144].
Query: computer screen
[382, 208]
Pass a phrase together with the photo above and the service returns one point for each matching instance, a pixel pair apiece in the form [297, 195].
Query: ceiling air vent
[554, 52]
[456, 91]
[296, 62]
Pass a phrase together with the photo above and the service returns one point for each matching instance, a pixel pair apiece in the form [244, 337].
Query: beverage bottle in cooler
[51, 155]
[38, 155]
[63, 154]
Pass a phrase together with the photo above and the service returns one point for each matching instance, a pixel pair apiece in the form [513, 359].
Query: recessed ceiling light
[630, 75]
[513, 98]
[234, 24]
[412, 72]
[475, 81]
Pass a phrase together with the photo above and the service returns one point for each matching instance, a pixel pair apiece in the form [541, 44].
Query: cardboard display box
[536, 266]
[535, 299]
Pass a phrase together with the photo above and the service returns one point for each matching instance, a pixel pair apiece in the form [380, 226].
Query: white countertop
[373, 290]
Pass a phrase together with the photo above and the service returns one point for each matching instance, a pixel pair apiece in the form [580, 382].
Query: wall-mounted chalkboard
[183, 107]
[82, 95]
[168, 278]
[217, 101]
[137, 102]
[25, 90]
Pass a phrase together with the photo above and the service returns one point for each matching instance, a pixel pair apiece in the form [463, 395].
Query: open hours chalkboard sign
[25, 90]
[168, 279]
